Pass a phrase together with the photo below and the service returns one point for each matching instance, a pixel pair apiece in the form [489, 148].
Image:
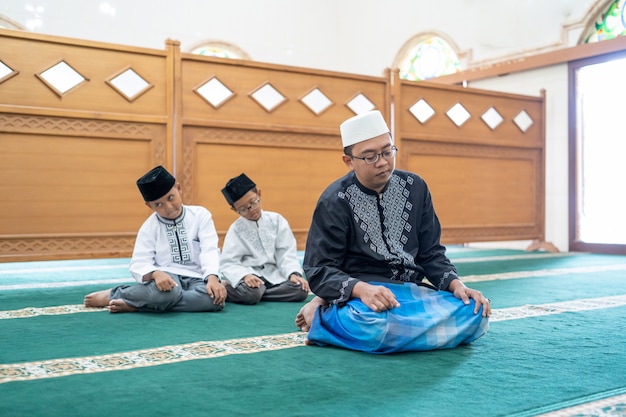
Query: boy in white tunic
[176, 256]
[259, 259]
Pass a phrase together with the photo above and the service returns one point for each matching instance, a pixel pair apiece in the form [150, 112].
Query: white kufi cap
[363, 127]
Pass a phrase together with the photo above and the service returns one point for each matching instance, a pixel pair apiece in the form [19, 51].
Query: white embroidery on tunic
[177, 239]
[343, 296]
[447, 278]
[386, 237]
[179, 244]
[260, 235]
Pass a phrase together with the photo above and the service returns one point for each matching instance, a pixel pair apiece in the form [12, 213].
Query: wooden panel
[243, 78]
[70, 160]
[96, 62]
[487, 182]
[290, 151]
[72, 179]
[67, 185]
[441, 128]
[290, 176]
[21, 248]
[480, 194]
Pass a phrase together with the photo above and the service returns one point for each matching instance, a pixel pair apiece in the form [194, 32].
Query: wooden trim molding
[547, 59]
[17, 248]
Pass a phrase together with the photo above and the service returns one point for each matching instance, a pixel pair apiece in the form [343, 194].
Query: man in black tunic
[373, 240]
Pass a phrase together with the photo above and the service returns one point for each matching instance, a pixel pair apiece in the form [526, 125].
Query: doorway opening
[598, 155]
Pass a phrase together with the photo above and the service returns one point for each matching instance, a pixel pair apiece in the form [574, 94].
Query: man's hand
[216, 290]
[376, 297]
[463, 293]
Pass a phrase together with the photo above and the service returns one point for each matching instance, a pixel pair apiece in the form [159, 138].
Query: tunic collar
[369, 190]
[255, 222]
[176, 220]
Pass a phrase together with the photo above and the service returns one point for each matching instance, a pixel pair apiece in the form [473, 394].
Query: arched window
[609, 24]
[7, 23]
[219, 49]
[427, 55]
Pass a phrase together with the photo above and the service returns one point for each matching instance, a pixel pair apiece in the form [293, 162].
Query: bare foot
[98, 299]
[119, 306]
[305, 315]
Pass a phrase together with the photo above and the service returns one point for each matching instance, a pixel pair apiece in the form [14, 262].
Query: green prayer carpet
[555, 344]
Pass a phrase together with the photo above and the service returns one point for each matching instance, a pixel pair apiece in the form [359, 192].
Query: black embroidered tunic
[358, 234]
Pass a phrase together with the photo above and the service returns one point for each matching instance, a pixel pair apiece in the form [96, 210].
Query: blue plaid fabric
[425, 320]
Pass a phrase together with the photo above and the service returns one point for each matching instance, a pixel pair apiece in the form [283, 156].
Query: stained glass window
[431, 56]
[609, 25]
[220, 50]
[7, 23]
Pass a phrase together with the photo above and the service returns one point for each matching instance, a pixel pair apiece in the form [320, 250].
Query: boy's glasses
[252, 205]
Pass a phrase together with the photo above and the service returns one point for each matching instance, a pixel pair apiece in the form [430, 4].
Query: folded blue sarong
[426, 320]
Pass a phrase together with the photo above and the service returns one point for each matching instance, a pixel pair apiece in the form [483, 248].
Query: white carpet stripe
[537, 310]
[607, 407]
[28, 312]
[544, 273]
[463, 249]
[62, 269]
[63, 284]
[148, 357]
[509, 257]
[205, 350]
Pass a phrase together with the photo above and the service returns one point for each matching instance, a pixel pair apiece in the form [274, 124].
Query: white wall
[355, 36]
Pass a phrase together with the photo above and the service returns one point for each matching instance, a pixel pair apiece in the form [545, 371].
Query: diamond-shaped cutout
[523, 121]
[360, 104]
[215, 92]
[458, 114]
[492, 118]
[422, 111]
[6, 72]
[316, 101]
[61, 78]
[268, 97]
[129, 84]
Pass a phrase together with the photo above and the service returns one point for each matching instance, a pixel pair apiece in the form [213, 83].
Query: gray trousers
[189, 295]
[285, 291]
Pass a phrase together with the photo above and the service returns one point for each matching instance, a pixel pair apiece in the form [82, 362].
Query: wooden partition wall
[265, 129]
[482, 154]
[72, 151]
[72, 144]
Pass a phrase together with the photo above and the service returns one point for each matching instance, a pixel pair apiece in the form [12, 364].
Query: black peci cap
[155, 184]
[237, 187]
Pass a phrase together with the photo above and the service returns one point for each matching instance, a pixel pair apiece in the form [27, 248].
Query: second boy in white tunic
[259, 259]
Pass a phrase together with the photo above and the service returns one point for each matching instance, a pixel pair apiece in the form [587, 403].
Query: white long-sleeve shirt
[265, 248]
[187, 246]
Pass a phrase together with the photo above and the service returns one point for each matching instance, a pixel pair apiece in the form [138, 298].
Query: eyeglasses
[252, 205]
[373, 158]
